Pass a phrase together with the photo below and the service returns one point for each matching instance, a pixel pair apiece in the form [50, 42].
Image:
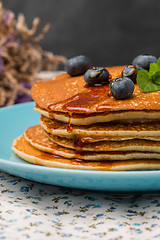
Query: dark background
[109, 32]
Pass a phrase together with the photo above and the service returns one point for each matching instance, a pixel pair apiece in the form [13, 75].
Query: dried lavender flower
[21, 58]
[1, 65]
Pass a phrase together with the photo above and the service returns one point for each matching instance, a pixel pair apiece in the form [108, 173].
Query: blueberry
[144, 61]
[96, 76]
[131, 71]
[121, 87]
[77, 65]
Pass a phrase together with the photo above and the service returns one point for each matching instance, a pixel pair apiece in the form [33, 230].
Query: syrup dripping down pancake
[32, 155]
[37, 137]
[126, 145]
[102, 117]
[110, 130]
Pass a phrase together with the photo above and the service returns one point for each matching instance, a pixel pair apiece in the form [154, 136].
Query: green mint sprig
[149, 81]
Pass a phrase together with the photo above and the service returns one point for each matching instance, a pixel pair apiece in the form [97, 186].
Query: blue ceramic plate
[15, 119]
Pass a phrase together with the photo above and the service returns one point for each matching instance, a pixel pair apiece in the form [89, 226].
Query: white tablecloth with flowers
[31, 210]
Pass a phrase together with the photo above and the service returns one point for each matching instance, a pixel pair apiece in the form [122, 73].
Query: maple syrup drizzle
[110, 77]
[130, 66]
[69, 127]
[78, 143]
[109, 93]
[82, 102]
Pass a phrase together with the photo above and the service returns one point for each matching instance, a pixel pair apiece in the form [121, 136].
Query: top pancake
[70, 94]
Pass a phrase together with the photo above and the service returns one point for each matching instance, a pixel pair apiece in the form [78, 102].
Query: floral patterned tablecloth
[31, 210]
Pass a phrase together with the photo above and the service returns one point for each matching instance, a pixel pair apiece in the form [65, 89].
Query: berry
[77, 65]
[131, 71]
[121, 88]
[96, 76]
[144, 61]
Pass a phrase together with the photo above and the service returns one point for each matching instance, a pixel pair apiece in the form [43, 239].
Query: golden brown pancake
[110, 130]
[69, 99]
[87, 119]
[126, 145]
[62, 88]
[70, 94]
[37, 137]
[95, 116]
[31, 154]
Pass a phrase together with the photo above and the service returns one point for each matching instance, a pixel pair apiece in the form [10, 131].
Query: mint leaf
[149, 81]
[145, 81]
[153, 69]
[154, 72]
[158, 63]
[156, 77]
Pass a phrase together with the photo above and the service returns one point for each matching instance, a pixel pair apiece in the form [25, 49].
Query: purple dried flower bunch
[21, 58]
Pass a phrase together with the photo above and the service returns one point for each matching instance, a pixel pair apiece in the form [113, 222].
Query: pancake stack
[82, 127]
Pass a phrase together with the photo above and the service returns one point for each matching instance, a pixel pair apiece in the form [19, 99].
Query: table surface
[32, 210]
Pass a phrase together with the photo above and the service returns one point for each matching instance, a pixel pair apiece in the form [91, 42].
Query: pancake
[127, 145]
[110, 130]
[32, 155]
[113, 134]
[62, 88]
[68, 98]
[37, 137]
[88, 119]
